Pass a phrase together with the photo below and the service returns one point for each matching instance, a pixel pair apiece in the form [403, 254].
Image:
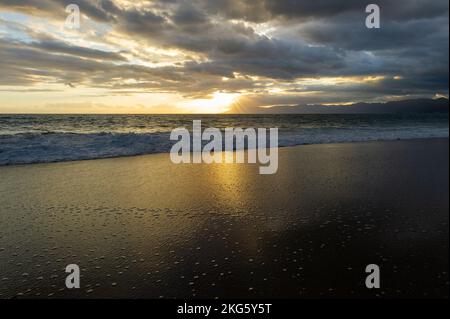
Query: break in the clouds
[213, 55]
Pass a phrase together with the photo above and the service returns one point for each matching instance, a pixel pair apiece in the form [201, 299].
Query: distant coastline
[439, 105]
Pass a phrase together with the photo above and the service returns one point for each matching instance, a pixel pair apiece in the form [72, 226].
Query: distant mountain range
[405, 106]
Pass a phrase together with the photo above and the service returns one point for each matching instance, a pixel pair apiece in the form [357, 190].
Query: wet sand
[142, 227]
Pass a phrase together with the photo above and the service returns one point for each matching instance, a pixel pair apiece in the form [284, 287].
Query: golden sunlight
[218, 103]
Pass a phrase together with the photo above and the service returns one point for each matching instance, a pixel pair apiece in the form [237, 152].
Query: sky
[214, 56]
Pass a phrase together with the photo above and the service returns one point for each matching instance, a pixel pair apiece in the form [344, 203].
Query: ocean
[28, 139]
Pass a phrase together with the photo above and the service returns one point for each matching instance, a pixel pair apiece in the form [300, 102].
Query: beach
[143, 227]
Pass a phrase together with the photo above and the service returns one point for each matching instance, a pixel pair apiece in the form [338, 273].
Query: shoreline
[163, 153]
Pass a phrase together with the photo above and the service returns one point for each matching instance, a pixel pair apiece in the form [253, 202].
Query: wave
[27, 148]
[57, 147]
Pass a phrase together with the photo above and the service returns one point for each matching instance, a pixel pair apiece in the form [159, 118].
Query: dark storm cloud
[101, 10]
[317, 38]
[28, 62]
[147, 23]
[187, 14]
[343, 32]
[397, 10]
[53, 46]
[276, 59]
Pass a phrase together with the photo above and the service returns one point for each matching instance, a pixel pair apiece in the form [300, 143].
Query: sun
[218, 103]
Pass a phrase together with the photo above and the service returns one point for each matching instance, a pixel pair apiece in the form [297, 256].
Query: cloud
[195, 48]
